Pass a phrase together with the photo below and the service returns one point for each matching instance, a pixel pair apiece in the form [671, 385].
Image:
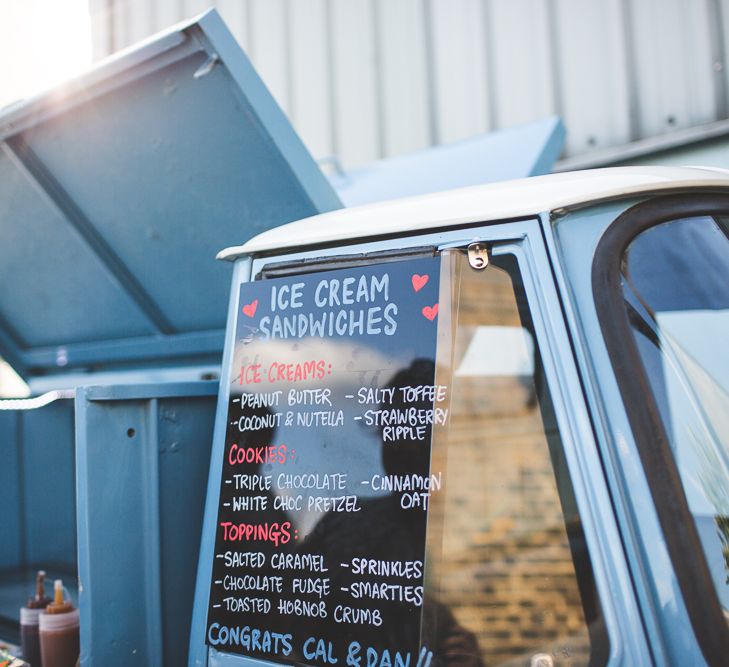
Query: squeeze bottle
[29, 614]
[59, 631]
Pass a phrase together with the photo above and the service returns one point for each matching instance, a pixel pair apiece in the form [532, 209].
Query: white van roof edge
[484, 203]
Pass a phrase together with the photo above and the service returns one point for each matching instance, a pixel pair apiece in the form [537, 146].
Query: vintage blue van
[483, 427]
[486, 427]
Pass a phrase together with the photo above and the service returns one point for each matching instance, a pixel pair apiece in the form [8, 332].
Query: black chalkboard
[320, 544]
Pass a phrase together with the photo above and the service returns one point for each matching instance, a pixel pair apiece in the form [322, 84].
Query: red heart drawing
[430, 312]
[250, 308]
[419, 281]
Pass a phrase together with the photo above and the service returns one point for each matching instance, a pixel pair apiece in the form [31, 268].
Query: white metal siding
[673, 64]
[402, 75]
[592, 64]
[310, 75]
[362, 79]
[459, 104]
[519, 43]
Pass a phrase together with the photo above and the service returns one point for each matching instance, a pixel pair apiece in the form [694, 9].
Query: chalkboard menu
[324, 490]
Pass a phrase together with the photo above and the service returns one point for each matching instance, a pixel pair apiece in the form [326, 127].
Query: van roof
[506, 200]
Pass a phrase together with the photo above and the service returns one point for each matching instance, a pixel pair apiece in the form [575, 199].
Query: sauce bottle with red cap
[29, 615]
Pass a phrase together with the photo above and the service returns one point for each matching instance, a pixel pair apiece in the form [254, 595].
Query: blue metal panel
[185, 436]
[147, 351]
[198, 650]
[518, 152]
[142, 473]
[113, 187]
[11, 516]
[37, 249]
[37, 478]
[38, 509]
[49, 486]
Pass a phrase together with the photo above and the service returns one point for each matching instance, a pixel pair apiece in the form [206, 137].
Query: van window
[508, 570]
[675, 279]
[394, 491]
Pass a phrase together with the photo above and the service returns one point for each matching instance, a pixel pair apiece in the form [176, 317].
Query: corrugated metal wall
[363, 79]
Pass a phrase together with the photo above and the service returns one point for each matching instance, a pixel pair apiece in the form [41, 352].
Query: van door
[404, 472]
[661, 288]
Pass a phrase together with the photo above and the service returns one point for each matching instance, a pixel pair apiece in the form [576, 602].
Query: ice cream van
[480, 427]
[487, 427]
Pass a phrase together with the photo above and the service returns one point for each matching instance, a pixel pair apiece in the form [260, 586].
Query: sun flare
[42, 42]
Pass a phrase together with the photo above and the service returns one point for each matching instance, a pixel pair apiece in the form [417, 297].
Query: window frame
[524, 239]
[659, 465]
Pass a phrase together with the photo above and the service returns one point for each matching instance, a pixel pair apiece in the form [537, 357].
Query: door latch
[478, 256]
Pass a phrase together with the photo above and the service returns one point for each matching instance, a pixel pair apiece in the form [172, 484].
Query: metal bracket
[478, 256]
[207, 66]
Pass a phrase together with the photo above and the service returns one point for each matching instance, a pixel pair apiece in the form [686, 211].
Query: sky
[42, 42]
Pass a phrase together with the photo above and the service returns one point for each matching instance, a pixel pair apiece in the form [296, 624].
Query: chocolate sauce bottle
[59, 631]
[29, 639]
